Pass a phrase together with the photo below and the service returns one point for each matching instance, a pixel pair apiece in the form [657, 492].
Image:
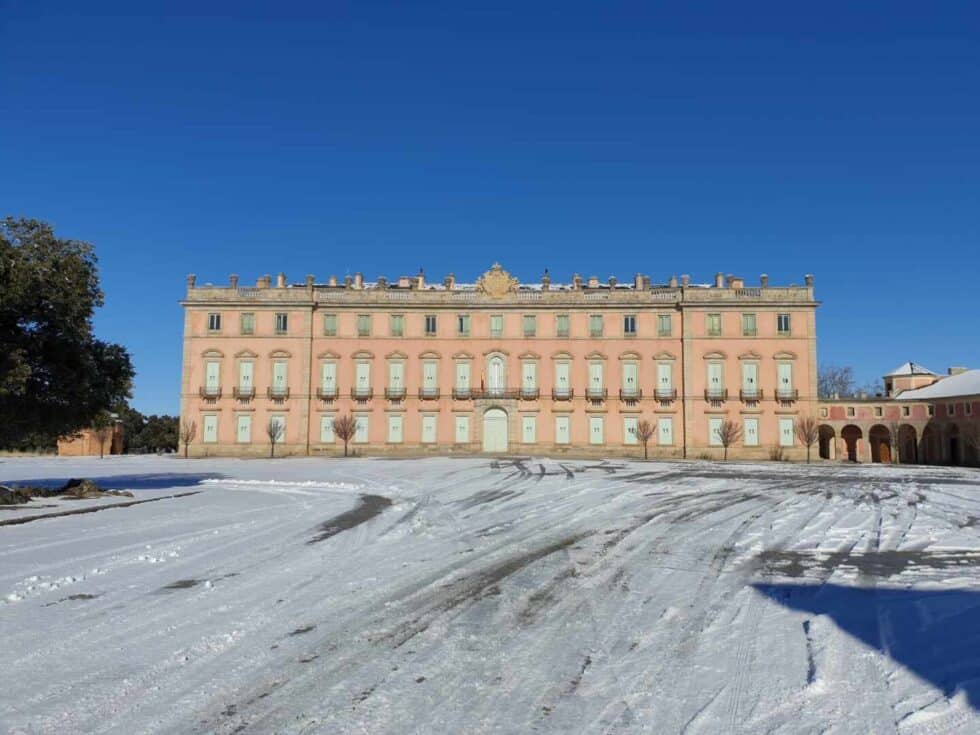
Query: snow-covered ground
[478, 596]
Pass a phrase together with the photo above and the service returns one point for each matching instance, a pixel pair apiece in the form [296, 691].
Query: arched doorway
[953, 443]
[827, 438]
[852, 436]
[495, 430]
[880, 439]
[907, 448]
[930, 445]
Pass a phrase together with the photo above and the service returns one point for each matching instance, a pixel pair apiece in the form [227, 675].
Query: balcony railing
[596, 394]
[243, 394]
[750, 396]
[630, 394]
[462, 394]
[787, 395]
[716, 394]
[562, 394]
[395, 394]
[362, 393]
[326, 393]
[665, 394]
[210, 392]
[499, 393]
[428, 394]
[530, 394]
[277, 394]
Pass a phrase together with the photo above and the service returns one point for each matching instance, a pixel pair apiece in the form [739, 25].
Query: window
[824, 413]
[713, 325]
[906, 411]
[562, 433]
[663, 325]
[629, 325]
[247, 323]
[629, 430]
[785, 432]
[716, 385]
[878, 411]
[784, 385]
[395, 429]
[212, 377]
[748, 325]
[326, 430]
[462, 376]
[214, 322]
[496, 325]
[750, 380]
[529, 376]
[665, 382]
[361, 432]
[243, 434]
[430, 378]
[363, 325]
[330, 325]
[530, 325]
[529, 429]
[665, 431]
[968, 409]
[209, 429]
[280, 372]
[950, 409]
[750, 432]
[714, 431]
[850, 411]
[463, 325]
[782, 323]
[931, 410]
[429, 429]
[246, 369]
[462, 429]
[596, 430]
[595, 325]
[631, 380]
[396, 325]
[328, 378]
[430, 325]
[362, 378]
[561, 325]
[282, 322]
[396, 377]
[596, 387]
[563, 385]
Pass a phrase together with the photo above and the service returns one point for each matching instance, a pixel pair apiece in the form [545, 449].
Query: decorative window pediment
[664, 355]
[562, 355]
[462, 356]
[280, 354]
[528, 355]
[396, 355]
[784, 355]
[363, 355]
[430, 355]
[715, 355]
[245, 354]
[212, 353]
[630, 355]
[750, 355]
[496, 351]
[328, 355]
[595, 355]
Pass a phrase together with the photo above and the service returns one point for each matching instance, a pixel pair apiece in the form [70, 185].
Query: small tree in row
[728, 433]
[807, 430]
[274, 430]
[188, 430]
[344, 428]
[644, 432]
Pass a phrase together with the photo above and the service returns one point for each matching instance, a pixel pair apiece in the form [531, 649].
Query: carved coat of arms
[496, 282]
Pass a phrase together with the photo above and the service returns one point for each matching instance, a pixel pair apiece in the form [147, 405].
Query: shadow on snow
[150, 481]
[933, 633]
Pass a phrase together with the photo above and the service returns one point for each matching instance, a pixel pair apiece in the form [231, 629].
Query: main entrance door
[495, 430]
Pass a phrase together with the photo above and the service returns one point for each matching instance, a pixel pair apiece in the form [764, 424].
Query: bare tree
[807, 430]
[644, 432]
[728, 433]
[274, 430]
[835, 380]
[344, 427]
[102, 429]
[188, 430]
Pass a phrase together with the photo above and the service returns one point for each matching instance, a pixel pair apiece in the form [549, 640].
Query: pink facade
[498, 366]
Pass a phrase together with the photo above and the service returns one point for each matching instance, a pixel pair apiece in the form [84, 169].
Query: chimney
[956, 370]
[764, 281]
[382, 282]
[358, 280]
[281, 280]
[673, 282]
[593, 282]
[233, 281]
[449, 282]
[612, 281]
[264, 281]
[646, 283]
[332, 281]
[808, 280]
[737, 282]
[545, 281]
[685, 280]
[309, 281]
[348, 282]
[191, 280]
[638, 281]
[421, 279]
[719, 280]
[577, 282]
[404, 282]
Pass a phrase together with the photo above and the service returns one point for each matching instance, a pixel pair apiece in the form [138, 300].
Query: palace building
[499, 366]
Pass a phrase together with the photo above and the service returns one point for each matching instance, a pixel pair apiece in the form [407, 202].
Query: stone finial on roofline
[191, 280]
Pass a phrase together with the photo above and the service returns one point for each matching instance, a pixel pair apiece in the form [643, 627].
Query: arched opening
[907, 446]
[852, 436]
[496, 376]
[930, 445]
[495, 430]
[880, 439]
[954, 445]
[827, 438]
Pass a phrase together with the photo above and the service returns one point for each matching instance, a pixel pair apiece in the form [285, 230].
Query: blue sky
[597, 138]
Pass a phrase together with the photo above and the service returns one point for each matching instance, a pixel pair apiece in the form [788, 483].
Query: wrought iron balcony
[596, 394]
[562, 394]
[787, 395]
[210, 392]
[665, 394]
[428, 394]
[498, 393]
[716, 394]
[326, 394]
[630, 394]
[530, 394]
[462, 394]
[277, 394]
[243, 394]
[395, 394]
[750, 396]
[362, 394]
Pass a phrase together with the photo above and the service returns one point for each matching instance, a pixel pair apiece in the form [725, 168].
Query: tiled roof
[910, 368]
[963, 384]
